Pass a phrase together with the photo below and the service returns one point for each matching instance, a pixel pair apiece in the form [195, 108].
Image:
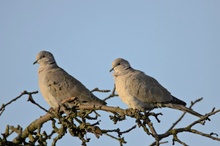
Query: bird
[57, 85]
[142, 92]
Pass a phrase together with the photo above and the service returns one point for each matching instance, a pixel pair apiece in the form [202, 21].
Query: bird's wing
[146, 88]
[61, 85]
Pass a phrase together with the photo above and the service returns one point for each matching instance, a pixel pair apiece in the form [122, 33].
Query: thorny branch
[78, 121]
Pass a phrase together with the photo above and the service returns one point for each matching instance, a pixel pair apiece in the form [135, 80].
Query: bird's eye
[43, 56]
[119, 63]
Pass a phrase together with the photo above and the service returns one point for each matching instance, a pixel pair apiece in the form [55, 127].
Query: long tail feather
[184, 108]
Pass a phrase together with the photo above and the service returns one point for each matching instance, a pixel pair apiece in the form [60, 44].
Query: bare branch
[30, 98]
[174, 132]
[98, 90]
[111, 95]
[184, 113]
[78, 121]
[23, 93]
[32, 127]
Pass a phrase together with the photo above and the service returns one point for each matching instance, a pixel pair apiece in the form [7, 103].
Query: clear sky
[177, 42]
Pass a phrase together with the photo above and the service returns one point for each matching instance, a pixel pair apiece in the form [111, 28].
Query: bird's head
[44, 58]
[120, 65]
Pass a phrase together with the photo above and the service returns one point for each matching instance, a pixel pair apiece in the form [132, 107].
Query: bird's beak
[35, 62]
[111, 70]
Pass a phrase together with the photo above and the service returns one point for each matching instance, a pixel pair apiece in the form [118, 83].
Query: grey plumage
[56, 84]
[142, 92]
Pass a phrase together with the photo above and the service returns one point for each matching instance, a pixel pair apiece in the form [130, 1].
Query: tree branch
[2, 109]
[77, 121]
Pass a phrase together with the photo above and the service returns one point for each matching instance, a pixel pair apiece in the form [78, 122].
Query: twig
[204, 134]
[30, 98]
[175, 138]
[121, 140]
[118, 130]
[187, 128]
[155, 115]
[126, 131]
[181, 117]
[98, 90]
[203, 118]
[111, 95]
[79, 127]
[32, 127]
[153, 131]
[212, 133]
[23, 93]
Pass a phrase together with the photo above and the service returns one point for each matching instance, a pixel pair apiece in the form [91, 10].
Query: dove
[142, 92]
[56, 84]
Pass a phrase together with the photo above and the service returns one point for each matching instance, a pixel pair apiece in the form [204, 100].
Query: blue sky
[177, 42]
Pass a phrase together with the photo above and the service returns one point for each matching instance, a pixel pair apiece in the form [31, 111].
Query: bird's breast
[44, 89]
[125, 95]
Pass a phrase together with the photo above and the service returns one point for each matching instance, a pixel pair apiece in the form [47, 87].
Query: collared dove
[142, 92]
[56, 84]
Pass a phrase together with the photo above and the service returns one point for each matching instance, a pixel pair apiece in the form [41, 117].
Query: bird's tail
[185, 109]
[97, 101]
